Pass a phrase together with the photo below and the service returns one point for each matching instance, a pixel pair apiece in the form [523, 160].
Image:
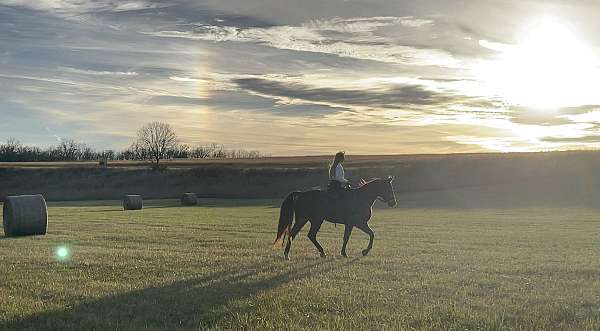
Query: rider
[337, 182]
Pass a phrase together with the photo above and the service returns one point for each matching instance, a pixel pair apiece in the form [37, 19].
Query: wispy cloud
[65, 7]
[384, 97]
[99, 72]
[358, 38]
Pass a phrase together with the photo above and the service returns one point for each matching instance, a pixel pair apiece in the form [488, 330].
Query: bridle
[389, 201]
[384, 200]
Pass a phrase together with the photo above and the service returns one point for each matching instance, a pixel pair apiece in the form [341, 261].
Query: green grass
[212, 267]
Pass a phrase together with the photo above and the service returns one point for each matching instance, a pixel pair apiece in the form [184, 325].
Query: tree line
[155, 141]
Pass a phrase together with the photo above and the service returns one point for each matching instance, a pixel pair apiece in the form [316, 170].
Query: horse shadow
[197, 303]
[228, 203]
[103, 210]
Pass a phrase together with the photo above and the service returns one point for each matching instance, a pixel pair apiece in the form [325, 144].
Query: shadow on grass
[197, 303]
[161, 206]
[173, 203]
[5, 237]
[239, 203]
[102, 210]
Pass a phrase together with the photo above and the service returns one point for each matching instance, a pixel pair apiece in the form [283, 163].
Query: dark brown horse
[353, 209]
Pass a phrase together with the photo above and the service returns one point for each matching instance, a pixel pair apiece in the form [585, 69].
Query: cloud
[495, 46]
[222, 100]
[176, 100]
[591, 116]
[185, 79]
[71, 7]
[495, 143]
[578, 115]
[524, 115]
[578, 110]
[99, 72]
[574, 140]
[358, 38]
[396, 96]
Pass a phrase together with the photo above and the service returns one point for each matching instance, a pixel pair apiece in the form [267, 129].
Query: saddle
[340, 198]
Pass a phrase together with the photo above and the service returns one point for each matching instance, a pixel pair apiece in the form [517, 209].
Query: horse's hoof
[286, 257]
[365, 252]
[343, 254]
[323, 255]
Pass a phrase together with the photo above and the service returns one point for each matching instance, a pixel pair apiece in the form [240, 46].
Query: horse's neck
[369, 192]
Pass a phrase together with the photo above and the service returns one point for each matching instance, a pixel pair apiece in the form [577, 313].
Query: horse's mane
[364, 182]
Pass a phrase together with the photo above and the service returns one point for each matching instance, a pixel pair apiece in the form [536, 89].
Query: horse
[353, 209]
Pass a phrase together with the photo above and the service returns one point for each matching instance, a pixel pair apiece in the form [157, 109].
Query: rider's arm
[339, 174]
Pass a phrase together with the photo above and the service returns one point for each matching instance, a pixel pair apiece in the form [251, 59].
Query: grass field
[212, 267]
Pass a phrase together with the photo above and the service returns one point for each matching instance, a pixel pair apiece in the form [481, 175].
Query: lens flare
[62, 253]
[549, 67]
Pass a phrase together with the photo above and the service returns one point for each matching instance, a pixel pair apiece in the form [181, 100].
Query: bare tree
[157, 139]
[12, 146]
[70, 149]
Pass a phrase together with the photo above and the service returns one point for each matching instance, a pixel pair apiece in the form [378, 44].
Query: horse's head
[386, 191]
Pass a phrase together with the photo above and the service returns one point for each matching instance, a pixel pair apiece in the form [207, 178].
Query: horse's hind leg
[300, 221]
[366, 229]
[312, 235]
[347, 232]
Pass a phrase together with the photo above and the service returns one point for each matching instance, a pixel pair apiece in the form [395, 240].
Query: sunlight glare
[548, 68]
[62, 253]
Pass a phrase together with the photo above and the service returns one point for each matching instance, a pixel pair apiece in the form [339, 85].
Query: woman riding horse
[315, 206]
[337, 179]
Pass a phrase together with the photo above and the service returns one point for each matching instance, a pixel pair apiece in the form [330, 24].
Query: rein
[371, 190]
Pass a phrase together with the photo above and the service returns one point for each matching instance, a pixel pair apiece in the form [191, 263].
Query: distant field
[296, 161]
[212, 267]
[285, 161]
[566, 179]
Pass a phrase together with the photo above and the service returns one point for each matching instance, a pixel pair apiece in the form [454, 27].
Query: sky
[304, 77]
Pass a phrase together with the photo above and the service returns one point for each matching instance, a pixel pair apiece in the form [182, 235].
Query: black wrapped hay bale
[25, 215]
[133, 202]
[189, 199]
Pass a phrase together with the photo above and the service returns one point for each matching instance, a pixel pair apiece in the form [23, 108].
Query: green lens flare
[62, 253]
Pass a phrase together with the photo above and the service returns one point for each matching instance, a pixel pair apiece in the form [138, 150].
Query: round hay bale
[133, 202]
[189, 199]
[25, 215]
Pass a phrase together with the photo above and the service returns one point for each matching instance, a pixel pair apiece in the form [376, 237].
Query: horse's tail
[286, 217]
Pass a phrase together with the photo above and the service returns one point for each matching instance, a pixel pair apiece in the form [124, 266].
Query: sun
[548, 68]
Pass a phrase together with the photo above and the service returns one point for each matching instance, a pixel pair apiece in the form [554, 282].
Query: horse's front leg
[347, 233]
[366, 229]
